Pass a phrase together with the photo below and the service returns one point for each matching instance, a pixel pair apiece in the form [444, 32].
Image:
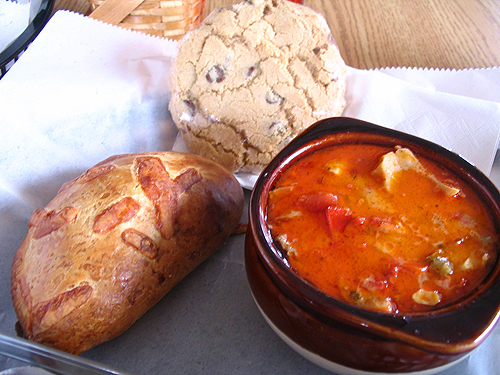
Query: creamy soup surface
[381, 228]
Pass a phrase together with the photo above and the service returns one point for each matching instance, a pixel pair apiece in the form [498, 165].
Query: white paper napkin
[474, 83]
[86, 90]
[82, 91]
[464, 124]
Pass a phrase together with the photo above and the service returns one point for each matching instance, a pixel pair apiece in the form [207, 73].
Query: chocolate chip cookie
[251, 77]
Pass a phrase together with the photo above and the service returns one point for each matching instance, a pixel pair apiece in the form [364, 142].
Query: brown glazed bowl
[344, 338]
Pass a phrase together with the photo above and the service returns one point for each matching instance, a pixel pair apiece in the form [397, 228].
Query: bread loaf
[115, 240]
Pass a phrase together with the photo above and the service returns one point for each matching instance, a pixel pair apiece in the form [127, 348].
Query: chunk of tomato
[338, 218]
[317, 202]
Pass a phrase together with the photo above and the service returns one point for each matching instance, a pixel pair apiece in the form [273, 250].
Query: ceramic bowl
[345, 338]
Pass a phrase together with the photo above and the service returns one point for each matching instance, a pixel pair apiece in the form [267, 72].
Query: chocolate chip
[267, 10]
[274, 98]
[252, 71]
[216, 74]
[190, 107]
[278, 128]
[317, 50]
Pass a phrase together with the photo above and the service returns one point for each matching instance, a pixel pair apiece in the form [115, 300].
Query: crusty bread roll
[115, 240]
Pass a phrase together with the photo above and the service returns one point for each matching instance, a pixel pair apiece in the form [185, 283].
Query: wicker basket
[165, 18]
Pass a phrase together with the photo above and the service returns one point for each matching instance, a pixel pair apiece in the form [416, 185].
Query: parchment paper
[84, 91]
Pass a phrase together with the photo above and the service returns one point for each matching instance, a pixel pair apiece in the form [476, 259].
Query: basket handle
[114, 11]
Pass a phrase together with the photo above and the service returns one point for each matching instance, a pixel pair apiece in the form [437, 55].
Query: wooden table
[454, 34]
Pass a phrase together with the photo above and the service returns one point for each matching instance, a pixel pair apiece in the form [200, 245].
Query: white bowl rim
[338, 368]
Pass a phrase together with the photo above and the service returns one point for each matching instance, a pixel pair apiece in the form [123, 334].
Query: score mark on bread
[115, 240]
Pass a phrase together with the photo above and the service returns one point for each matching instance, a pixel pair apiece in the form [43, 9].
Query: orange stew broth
[410, 249]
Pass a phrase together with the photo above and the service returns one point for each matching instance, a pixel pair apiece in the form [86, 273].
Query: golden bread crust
[115, 240]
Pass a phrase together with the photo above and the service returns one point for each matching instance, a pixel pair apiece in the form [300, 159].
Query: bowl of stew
[374, 251]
